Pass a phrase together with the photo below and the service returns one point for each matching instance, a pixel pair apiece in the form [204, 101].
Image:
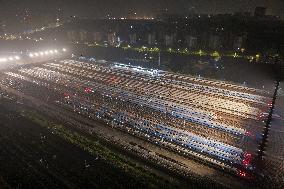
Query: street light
[46, 52]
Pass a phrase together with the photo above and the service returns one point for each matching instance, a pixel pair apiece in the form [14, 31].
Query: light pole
[159, 61]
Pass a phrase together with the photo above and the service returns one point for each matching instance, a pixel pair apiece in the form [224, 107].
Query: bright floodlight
[3, 59]
[51, 51]
[36, 54]
[64, 49]
[41, 53]
[17, 57]
[31, 55]
[56, 51]
[46, 52]
[11, 58]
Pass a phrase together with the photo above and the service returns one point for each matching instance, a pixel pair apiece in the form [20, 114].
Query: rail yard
[215, 122]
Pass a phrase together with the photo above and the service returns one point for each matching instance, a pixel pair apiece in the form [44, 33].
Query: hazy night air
[101, 8]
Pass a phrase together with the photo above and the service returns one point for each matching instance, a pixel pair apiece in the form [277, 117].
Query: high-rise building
[72, 35]
[113, 39]
[214, 42]
[169, 39]
[191, 41]
[83, 35]
[260, 11]
[133, 38]
[97, 37]
[151, 39]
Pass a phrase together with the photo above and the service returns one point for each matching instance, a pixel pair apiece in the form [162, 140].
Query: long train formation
[217, 122]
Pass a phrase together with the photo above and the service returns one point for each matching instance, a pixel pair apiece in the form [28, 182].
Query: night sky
[100, 8]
